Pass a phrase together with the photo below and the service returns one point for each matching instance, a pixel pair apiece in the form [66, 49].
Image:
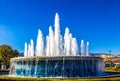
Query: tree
[6, 53]
[117, 66]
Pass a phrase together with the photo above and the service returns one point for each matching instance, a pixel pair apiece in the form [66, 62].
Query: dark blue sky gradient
[97, 21]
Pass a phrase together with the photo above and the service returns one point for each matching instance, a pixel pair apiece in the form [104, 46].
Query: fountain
[58, 58]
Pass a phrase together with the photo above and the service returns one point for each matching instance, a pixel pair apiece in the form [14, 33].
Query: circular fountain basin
[56, 66]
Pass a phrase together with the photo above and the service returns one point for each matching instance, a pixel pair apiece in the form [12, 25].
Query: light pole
[110, 51]
[110, 58]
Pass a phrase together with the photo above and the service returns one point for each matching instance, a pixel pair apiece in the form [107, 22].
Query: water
[82, 48]
[51, 38]
[58, 57]
[56, 45]
[32, 47]
[25, 50]
[62, 66]
[74, 48]
[40, 45]
[87, 49]
[29, 50]
[57, 36]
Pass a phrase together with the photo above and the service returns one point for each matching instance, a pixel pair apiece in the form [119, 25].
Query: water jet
[59, 58]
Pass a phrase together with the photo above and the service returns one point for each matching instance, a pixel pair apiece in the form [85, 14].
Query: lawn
[8, 78]
[5, 78]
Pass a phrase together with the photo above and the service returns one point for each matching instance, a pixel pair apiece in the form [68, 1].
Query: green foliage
[118, 66]
[112, 69]
[6, 52]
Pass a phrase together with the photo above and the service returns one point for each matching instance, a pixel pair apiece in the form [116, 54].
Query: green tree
[6, 52]
[118, 66]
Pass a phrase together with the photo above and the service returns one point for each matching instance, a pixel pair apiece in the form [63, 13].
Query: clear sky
[97, 21]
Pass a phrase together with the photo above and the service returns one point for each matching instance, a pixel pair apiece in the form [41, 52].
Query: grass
[5, 78]
[8, 78]
[111, 69]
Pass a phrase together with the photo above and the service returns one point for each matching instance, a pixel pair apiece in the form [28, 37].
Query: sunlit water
[58, 57]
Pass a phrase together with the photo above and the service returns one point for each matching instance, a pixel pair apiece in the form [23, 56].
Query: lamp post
[110, 51]
[110, 58]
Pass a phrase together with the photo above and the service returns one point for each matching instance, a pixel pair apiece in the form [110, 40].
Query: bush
[118, 66]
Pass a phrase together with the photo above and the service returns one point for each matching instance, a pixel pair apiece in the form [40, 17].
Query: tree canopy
[6, 52]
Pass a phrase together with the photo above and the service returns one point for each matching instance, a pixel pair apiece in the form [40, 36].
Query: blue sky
[97, 21]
